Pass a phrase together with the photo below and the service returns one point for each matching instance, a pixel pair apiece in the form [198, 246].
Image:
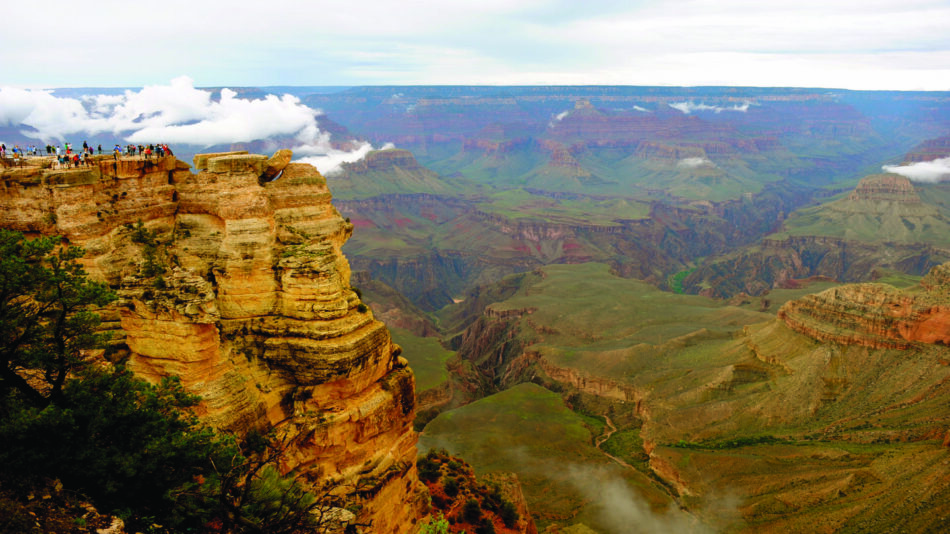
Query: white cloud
[937, 170]
[328, 160]
[693, 163]
[639, 108]
[557, 118]
[176, 113]
[844, 43]
[689, 107]
[621, 510]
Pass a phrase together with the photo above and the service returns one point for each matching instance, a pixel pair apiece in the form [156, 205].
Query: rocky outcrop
[875, 315]
[234, 281]
[773, 264]
[885, 187]
[881, 224]
[929, 150]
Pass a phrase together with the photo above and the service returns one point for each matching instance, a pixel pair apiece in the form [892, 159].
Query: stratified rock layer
[875, 315]
[253, 310]
[885, 187]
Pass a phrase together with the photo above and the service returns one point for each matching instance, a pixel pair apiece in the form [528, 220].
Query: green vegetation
[577, 209]
[732, 443]
[529, 431]
[870, 221]
[628, 446]
[897, 279]
[426, 356]
[133, 448]
[676, 281]
[150, 250]
[455, 491]
[600, 323]
[435, 525]
[774, 299]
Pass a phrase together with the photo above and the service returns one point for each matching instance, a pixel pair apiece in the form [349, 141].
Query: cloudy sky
[860, 44]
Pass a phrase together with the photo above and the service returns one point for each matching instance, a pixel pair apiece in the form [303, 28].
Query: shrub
[435, 526]
[428, 469]
[472, 512]
[451, 486]
[509, 514]
[485, 527]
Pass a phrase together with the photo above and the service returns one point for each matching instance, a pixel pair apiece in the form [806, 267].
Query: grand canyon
[593, 309]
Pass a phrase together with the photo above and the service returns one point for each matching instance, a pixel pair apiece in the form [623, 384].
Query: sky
[852, 44]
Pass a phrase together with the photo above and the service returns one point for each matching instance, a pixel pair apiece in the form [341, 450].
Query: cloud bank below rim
[177, 114]
[933, 171]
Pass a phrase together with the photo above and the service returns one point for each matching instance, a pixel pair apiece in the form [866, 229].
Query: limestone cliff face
[254, 310]
[875, 315]
[885, 187]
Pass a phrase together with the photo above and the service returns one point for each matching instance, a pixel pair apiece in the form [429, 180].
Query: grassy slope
[798, 434]
[426, 356]
[879, 221]
[855, 429]
[349, 183]
[529, 431]
[610, 326]
[520, 204]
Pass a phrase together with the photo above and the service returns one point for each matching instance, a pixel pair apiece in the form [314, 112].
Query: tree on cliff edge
[99, 429]
[47, 317]
[133, 448]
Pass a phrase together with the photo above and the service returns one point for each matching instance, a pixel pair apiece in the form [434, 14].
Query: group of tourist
[146, 151]
[67, 158]
[17, 152]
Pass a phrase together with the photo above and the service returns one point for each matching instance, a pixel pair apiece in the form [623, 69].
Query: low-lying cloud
[329, 161]
[933, 171]
[177, 113]
[622, 511]
[690, 107]
[558, 118]
[693, 163]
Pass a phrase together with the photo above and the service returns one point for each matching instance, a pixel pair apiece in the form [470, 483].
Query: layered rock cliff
[233, 279]
[875, 315]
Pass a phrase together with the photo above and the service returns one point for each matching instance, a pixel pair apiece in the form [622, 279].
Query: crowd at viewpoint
[67, 158]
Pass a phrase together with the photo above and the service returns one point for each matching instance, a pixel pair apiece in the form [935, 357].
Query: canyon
[707, 306]
[826, 416]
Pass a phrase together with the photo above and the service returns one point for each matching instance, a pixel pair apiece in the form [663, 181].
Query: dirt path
[609, 431]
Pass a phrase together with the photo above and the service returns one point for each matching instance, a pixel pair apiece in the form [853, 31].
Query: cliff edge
[876, 315]
[232, 278]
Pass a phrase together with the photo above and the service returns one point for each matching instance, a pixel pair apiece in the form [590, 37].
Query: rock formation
[875, 315]
[885, 187]
[882, 224]
[233, 279]
[929, 150]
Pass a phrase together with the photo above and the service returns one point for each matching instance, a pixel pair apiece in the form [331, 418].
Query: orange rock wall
[874, 315]
[254, 312]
